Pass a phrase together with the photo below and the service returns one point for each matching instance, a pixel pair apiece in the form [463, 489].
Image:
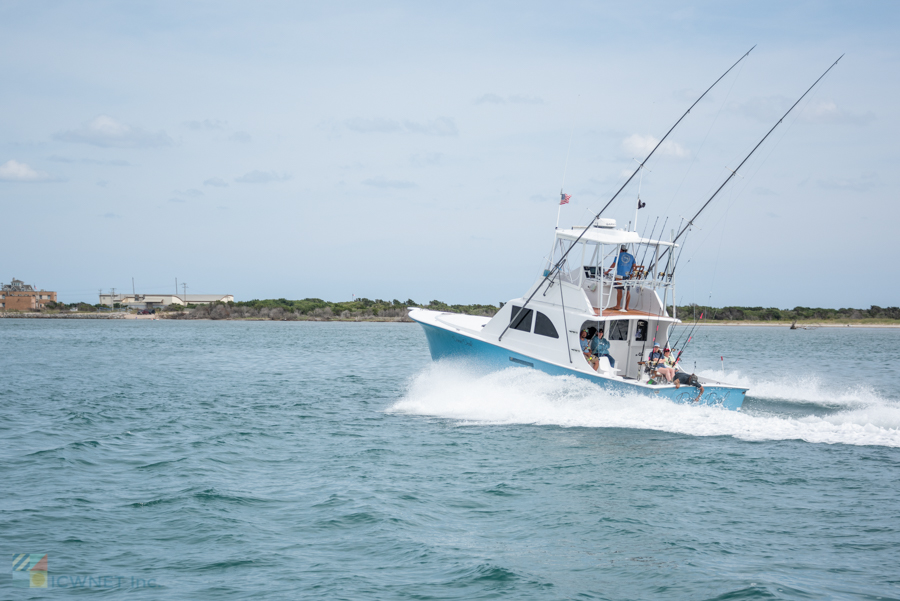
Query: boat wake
[523, 396]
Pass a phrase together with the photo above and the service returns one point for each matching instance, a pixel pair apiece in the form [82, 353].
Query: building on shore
[19, 296]
[155, 301]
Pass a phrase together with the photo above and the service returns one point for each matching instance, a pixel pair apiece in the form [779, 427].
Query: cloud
[380, 182]
[368, 126]
[206, 124]
[115, 162]
[240, 136]
[770, 108]
[523, 99]
[761, 108]
[863, 183]
[106, 132]
[828, 111]
[442, 126]
[640, 146]
[429, 158]
[261, 177]
[217, 182]
[102, 183]
[490, 99]
[14, 171]
[511, 99]
[111, 216]
[191, 193]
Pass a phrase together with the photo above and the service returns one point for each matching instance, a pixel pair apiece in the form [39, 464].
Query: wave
[525, 396]
[798, 389]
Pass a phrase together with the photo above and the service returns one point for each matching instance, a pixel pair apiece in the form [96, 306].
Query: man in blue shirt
[600, 347]
[624, 264]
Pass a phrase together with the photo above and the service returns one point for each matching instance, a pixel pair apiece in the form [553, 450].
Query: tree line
[689, 312]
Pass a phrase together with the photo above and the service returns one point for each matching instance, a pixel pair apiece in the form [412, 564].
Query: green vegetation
[316, 309]
[874, 314]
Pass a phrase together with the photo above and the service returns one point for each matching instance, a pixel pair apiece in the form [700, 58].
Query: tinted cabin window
[618, 330]
[544, 327]
[523, 322]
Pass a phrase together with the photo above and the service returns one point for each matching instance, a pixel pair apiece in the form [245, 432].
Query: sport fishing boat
[544, 332]
[542, 329]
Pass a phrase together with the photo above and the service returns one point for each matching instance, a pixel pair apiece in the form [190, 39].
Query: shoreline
[374, 319]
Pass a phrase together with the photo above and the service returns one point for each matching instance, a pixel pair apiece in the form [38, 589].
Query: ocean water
[270, 460]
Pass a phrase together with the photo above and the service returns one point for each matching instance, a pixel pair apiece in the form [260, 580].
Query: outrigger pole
[562, 259]
[734, 172]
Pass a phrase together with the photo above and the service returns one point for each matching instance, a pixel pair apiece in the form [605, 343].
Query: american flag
[564, 198]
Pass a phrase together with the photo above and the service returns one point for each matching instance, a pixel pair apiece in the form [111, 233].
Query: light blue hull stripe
[445, 344]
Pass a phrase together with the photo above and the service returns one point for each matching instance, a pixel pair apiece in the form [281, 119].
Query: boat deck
[630, 313]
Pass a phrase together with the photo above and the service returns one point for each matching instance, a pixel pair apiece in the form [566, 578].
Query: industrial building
[155, 301]
[19, 296]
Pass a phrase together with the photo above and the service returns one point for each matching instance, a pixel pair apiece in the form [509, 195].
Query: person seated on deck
[624, 264]
[600, 346]
[588, 351]
[653, 359]
[689, 380]
[666, 367]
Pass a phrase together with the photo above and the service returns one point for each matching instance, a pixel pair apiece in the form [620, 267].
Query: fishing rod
[558, 264]
[688, 341]
[690, 335]
[680, 252]
[647, 247]
[734, 172]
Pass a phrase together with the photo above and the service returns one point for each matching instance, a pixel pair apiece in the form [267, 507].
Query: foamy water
[524, 396]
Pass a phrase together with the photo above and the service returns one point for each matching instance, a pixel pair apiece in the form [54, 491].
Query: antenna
[640, 205]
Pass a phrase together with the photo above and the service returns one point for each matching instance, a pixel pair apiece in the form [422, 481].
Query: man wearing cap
[624, 264]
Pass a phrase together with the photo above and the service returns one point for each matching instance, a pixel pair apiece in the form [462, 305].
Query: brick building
[20, 296]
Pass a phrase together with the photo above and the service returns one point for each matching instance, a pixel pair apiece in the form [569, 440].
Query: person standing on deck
[624, 264]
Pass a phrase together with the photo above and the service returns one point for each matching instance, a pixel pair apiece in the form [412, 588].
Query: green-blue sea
[298, 460]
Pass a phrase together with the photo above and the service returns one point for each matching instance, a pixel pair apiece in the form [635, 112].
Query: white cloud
[106, 132]
[490, 99]
[380, 182]
[14, 171]
[377, 125]
[206, 124]
[261, 177]
[640, 146]
[829, 111]
[217, 182]
[863, 183]
[442, 126]
[240, 136]
[113, 162]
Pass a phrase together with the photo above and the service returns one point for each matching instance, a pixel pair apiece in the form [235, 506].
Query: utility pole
[100, 296]
[132, 287]
[112, 298]
[184, 288]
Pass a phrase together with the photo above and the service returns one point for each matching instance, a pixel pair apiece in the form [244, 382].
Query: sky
[406, 150]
